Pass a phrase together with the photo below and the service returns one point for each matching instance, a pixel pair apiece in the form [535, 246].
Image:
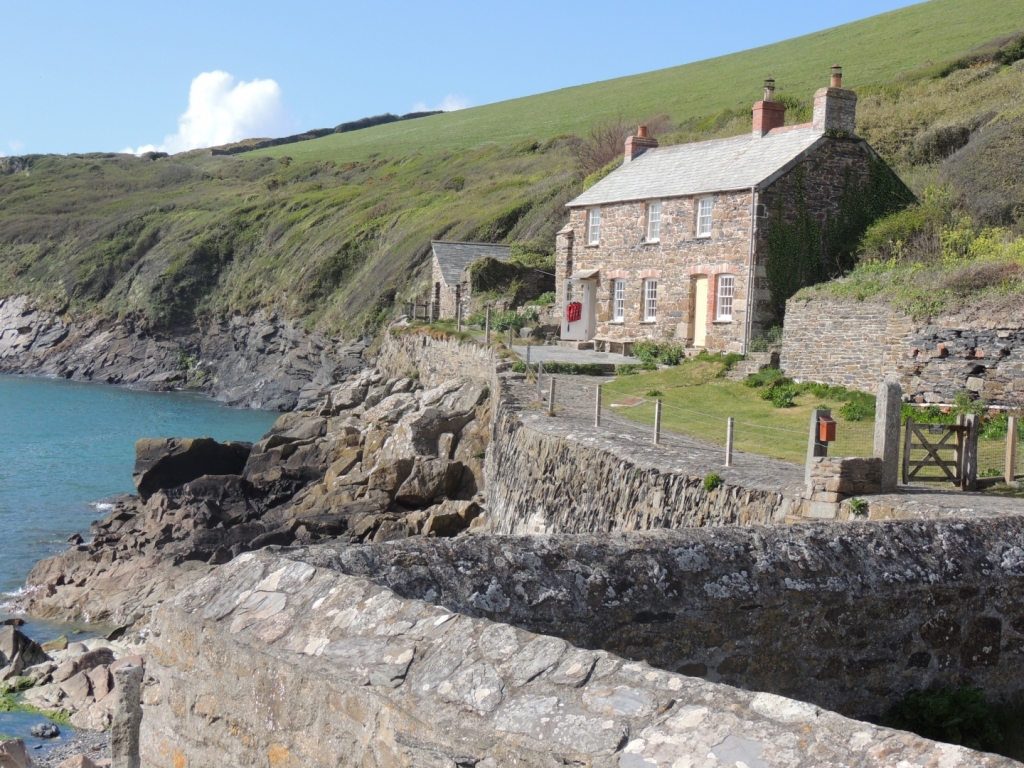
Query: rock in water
[45, 731]
[162, 463]
[16, 645]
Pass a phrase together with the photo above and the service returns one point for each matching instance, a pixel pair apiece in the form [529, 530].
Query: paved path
[555, 354]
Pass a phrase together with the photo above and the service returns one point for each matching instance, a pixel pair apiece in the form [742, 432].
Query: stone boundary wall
[436, 360]
[848, 616]
[856, 344]
[541, 483]
[275, 663]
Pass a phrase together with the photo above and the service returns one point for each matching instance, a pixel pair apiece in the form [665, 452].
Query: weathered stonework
[272, 661]
[848, 616]
[857, 344]
[833, 479]
[436, 360]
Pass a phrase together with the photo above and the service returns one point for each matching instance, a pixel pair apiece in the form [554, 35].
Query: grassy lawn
[696, 401]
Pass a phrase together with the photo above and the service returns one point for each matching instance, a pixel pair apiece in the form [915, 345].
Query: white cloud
[450, 103]
[16, 146]
[221, 111]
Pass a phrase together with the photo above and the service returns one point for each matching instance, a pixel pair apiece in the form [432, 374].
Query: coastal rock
[429, 479]
[83, 663]
[78, 761]
[162, 463]
[14, 755]
[45, 731]
[16, 647]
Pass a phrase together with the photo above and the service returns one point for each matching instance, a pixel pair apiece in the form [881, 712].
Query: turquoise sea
[65, 446]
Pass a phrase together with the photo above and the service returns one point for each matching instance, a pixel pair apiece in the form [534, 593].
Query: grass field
[697, 401]
[874, 50]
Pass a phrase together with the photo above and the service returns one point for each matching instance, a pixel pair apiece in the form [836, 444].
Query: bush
[783, 396]
[653, 353]
[628, 369]
[856, 411]
[654, 393]
[545, 298]
[859, 506]
[989, 173]
[767, 340]
[712, 481]
[766, 377]
[958, 716]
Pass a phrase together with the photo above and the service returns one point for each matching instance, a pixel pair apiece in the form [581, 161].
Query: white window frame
[618, 301]
[594, 226]
[705, 210]
[726, 291]
[653, 221]
[651, 300]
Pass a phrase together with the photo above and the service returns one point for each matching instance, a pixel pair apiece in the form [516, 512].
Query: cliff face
[256, 362]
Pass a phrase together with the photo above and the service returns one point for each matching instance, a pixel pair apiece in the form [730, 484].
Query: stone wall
[276, 663]
[848, 616]
[856, 344]
[833, 479]
[543, 483]
[436, 360]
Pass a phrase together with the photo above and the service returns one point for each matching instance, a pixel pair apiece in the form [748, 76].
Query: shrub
[628, 369]
[545, 298]
[455, 183]
[955, 716]
[859, 506]
[574, 369]
[712, 481]
[766, 377]
[989, 173]
[767, 340]
[784, 396]
[654, 393]
[995, 428]
[652, 353]
[855, 411]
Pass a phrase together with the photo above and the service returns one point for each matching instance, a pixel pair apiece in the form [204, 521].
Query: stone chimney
[768, 114]
[637, 145]
[835, 108]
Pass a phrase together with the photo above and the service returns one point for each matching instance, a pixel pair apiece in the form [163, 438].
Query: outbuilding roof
[453, 258]
[718, 165]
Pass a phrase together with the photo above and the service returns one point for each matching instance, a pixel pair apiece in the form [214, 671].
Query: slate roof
[455, 257]
[705, 166]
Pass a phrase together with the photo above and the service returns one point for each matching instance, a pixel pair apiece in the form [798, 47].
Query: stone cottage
[673, 245]
[451, 262]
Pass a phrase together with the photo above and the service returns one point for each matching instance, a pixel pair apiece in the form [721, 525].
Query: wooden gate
[953, 448]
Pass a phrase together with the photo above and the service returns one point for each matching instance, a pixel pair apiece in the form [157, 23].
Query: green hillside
[336, 231]
[873, 50]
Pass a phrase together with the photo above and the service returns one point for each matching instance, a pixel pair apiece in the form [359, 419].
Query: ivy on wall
[802, 251]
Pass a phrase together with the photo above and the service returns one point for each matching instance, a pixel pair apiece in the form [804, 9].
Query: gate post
[1011, 450]
[888, 408]
[815, 447]
[969, 478]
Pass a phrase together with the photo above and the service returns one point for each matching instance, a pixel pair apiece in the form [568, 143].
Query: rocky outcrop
[272, 661]
[260, 361]
[164, 463]
[378, 459]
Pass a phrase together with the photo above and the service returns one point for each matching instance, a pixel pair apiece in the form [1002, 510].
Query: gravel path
[91, 743]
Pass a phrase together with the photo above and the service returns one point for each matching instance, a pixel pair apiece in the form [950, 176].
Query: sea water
[66, 446]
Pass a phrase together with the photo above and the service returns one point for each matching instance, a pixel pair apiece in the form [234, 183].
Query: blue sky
[81, 77]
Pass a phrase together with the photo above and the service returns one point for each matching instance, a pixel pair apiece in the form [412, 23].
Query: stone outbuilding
[674, 245]
[451, 262]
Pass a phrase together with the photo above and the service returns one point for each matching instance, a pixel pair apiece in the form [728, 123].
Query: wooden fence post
[1011, 450]
[487, 327]
[597, 407]
[527, 357]
[540, 370]
[815, 447]
[730, 430]
[657, 422]
[458, 317]
[970, 465]
[551, 397]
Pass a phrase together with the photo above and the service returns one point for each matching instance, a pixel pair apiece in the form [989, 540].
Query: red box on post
[826, 429]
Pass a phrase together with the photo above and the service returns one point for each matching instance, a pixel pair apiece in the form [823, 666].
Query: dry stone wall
[856, 344]
[847, 616]
[273, 662]
[435, 360]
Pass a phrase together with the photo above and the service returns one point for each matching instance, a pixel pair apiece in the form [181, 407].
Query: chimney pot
[769, 114]
[835, 108]
[769, 89]
[837, 76]
[641, 131]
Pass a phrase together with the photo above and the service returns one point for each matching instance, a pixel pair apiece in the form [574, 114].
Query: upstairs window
[726, 285]
[594, 226]
[618, 301]
[704, 217]
[654, 222]
[650, 301]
